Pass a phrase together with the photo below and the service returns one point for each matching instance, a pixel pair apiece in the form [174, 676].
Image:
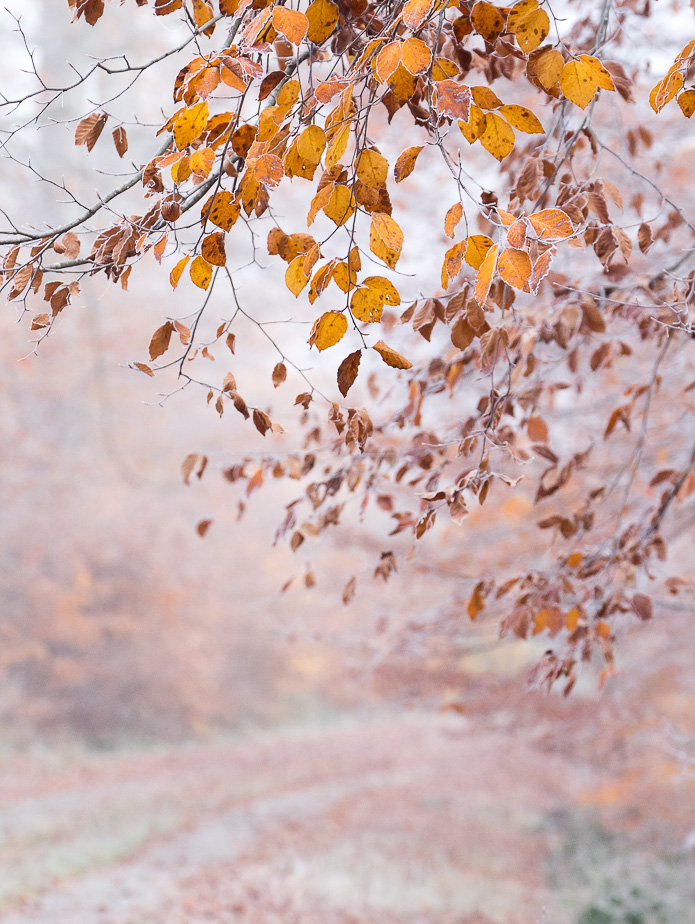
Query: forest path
[410, 815]
[519, 803]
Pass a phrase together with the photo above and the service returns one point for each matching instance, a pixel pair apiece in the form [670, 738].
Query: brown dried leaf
[161, 339]
[347, 372]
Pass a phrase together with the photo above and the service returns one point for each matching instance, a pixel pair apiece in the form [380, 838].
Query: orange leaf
[391, 357]
[515, 267]
[293, 24]
[175, 274]
[452, 218]
[416, 56]
[552, 225]
[453, 260]
[415, 12]
[213, 249]
[221, 210]
[541, 269]
[388, 60]
[487, 20]
[387, 229]
[201, 162]
[687, 103]
[406, 163]
[486, 272]
[452, 99]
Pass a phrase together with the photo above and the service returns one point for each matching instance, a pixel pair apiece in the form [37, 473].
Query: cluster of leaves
[280, 94]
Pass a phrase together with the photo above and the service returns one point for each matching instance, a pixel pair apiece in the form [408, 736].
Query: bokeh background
[180, 740]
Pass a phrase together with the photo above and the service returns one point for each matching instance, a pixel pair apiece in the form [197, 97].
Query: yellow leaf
[406, 163]
[549, 68]
[391, 357]
[344, 276]
[289, 94]
[328, 330]
[177, 271]
[295, 278]
[380, 250]
[473, 128]
[497, 136]
[388, 230]
[297, 166]
[578, 84]
[372, 168]
[384, 288]
[515, 267]
[402, 82]
[522, 119]
[322, 16]
[201, 272]
[311, 144]
[443, 69]
[485, 98]
[476, 249]
[190, 124]
[340, 205]
[201, 162]
[181, 170]
[336, 148]
[598, 72]
[529, 24]
[687, 103]
[366, 305]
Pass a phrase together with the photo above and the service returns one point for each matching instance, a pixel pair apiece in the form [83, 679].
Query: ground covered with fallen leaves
[512, 807]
